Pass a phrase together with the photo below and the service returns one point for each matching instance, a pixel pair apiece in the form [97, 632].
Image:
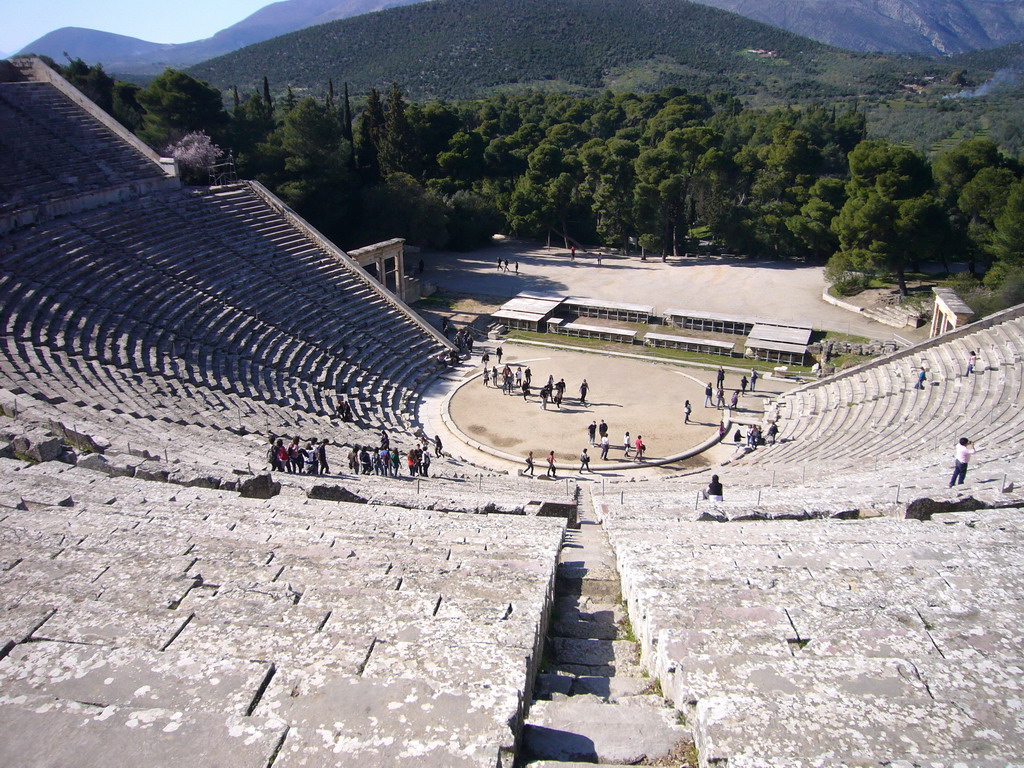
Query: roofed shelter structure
[950, 312]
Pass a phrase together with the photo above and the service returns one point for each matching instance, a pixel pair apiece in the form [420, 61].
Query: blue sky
[163, 21]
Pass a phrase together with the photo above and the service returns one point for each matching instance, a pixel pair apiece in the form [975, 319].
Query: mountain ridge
[892, 26]
[132, 55]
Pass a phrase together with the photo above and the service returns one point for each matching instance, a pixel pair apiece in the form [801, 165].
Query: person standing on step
[438, 448]
[425, 463]
[708, 392]
[687, 410]
[720, 395]
[592, 431]
[735, 399]
[295, 457]
[498, 353]
[773, 433]
[753, 379]
[321, 454]
[743, 385]
[971, 360]
[551, 465]
[529, 465]
[921, 379]
[961, 456]
[720, 377]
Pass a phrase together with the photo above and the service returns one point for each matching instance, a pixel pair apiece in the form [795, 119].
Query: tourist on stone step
[751, 443]
[411, 460]
[605, 443]
[425, 463]
[592, 431]
[743, 385]
[279, 455]
[584, 461]
[735, 401]
[714, 491]
[707, 395]
[396, 461]
[773, 433]
[353, 460]
[921, 376]
[529, 465]
[720, 398]
[640, 448]
[310, 459]
[627, 444]
[438, 448]
[753, 379]
[720, 377]
[551, 465]
[321, 455]
[961, 456]
[687, 410]
[384, 456]
[294, 456]
[971, 360]
[385, 441]
[365, 461]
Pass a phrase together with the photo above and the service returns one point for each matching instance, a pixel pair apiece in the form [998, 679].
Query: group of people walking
[383, 459]
[296, 459]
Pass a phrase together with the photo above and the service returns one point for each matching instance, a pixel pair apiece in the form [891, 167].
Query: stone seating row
[234, 630]
[879, 413]
[406, 337]
[52, 148]
[829, 642]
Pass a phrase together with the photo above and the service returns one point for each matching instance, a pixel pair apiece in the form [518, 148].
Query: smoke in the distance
[1004, 78]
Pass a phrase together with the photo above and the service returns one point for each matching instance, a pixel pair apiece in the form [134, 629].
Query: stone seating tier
[814, 643]
[51, 148]
[878, 413]
[219, 630]
[140, 289]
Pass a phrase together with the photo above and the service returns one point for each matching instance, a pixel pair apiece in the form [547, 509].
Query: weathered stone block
[259, 487]
[37, 445]
[334, 493]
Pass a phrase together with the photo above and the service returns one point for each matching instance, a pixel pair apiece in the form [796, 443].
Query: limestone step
[581, 617]
[558, 685]
[587, 729]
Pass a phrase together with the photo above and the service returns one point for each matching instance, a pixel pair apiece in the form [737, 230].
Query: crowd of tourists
[381, 459]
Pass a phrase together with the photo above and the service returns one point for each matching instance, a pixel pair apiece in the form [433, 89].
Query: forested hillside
[468, 48]
[652, 172]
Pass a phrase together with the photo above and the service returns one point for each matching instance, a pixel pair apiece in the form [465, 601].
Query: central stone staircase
[594, 703]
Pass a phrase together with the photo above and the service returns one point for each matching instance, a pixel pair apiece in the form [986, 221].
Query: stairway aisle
[594, 703]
